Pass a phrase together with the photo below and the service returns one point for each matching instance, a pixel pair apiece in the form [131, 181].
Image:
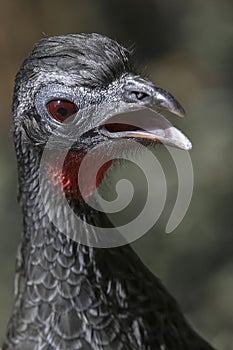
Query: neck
[55, 269]
[47, 247]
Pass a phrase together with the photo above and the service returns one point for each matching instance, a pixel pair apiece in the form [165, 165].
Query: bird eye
[60, 110]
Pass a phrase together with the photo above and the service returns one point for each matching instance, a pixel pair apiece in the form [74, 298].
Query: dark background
[186, 48]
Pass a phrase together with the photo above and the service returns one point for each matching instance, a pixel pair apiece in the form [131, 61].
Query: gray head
[82, 82]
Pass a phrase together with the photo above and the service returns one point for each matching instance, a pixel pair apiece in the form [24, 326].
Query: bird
[69, 294]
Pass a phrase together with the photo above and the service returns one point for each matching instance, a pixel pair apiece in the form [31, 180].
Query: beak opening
[145, 124]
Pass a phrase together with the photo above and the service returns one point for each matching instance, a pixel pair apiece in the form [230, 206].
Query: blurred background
[186, 48]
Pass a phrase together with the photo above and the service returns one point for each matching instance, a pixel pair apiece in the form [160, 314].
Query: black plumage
[68, 295]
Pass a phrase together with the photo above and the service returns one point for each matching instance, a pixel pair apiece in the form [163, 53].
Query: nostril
[139, 95]
[136, 95]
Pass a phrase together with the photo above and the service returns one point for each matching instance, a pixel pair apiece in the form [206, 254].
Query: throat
[76, 184]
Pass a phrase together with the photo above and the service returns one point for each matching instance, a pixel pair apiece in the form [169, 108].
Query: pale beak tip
[188, 146]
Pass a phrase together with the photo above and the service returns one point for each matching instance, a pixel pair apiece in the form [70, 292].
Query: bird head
[83, 91]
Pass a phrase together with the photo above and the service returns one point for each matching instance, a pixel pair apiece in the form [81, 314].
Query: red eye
[61, 109]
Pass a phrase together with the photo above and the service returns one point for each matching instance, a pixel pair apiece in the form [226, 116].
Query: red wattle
[68, 178]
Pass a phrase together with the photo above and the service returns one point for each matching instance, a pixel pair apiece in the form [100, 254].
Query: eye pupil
[60, 110]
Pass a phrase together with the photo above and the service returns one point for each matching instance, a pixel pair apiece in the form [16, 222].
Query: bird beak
[146, 121]
[163, 100]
